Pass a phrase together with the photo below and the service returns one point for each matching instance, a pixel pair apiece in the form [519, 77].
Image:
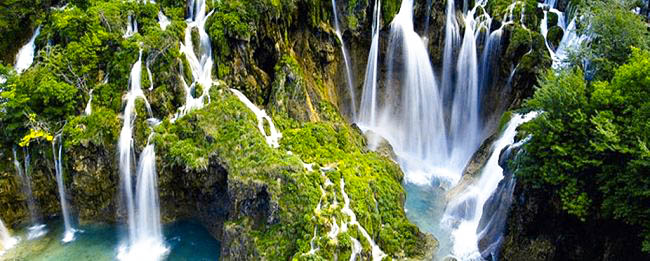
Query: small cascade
[68, 234]
[570, 40]
[464, 212]
[131, 27]
[6, 240]
[36, 229]
[368, 109]
[356, 249]
[346, 59]
[274, 136]
[25, 56]
[497, 207]
[200, 64]
[89, 109]
[150, 77]
[163, 21]
[377, 253]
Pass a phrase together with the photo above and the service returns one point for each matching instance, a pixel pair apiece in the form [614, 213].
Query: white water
[464, 132]
[6, 240]
[163, 21]
[434, 134]
[200, 64]
[368, 109]
[89, 108]
[68, 234]
[25, 56]
[377, 253]
[464, 212]
[148, 242]
[346, 59]
[131, 27]
[413, 120]
[570, 40]
[273, 137]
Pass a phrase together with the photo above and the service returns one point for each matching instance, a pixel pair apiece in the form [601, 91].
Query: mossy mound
[278, 220]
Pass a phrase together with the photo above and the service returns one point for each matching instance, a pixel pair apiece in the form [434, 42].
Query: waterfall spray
[464, 212]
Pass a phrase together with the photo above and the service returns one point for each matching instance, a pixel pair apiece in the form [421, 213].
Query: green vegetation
[242, 150]
[613, 30]
[589, 148]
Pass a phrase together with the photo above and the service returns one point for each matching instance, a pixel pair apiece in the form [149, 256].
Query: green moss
[504, 120]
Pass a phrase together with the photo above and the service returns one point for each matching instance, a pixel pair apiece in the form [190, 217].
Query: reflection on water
[187, 240]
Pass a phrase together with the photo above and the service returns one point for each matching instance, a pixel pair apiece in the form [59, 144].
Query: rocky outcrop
[539, 229]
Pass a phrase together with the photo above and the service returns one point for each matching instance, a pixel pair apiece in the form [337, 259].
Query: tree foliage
[589, 146]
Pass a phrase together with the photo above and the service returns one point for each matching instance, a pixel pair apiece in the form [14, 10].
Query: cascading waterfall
[6, 240]
[148, 241]
[414, 127]
[144, 230]
[346, 60]
[497, 207]
[25, 56]
[125, 144]
[368, 109]
[36, 229]
[68, 234]
[570, 40]
[464, 212]
[200, 64]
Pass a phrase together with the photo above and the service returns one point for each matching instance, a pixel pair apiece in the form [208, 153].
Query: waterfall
[273, 137]
[163, 21]
[148, 242]
[143, 212]
[6, 241]
[451, 42]
[346, 59]
[131, 27]
[570, 40]
[464, 132]
[200, 64]
[68, 234]
[89, 110]
[368, 109]
[36, 229]
[125, 144]
[464, 212]
[497, 208]
[413, 120]
[25, 56]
